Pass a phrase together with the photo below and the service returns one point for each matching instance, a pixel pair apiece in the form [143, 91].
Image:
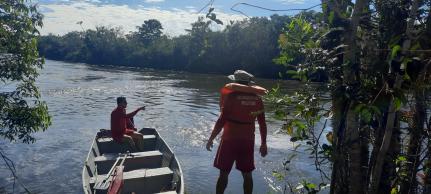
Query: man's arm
[132, 114]
[219, 124]
[262, 127]
[263, 131]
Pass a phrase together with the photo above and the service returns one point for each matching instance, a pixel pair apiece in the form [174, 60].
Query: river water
[183, 107]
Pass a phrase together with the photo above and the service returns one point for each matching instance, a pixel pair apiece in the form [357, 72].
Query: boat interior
[155, 170]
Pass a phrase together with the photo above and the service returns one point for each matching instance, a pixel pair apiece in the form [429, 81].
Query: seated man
[122, 129]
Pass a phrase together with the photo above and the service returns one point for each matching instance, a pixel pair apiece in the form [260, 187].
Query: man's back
[118, 123]
[240, 111]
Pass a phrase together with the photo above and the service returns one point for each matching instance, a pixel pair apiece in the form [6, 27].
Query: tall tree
[149, 31]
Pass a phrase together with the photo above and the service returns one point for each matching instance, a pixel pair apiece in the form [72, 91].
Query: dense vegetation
[377, 57]
[22, 113]
[251, 44]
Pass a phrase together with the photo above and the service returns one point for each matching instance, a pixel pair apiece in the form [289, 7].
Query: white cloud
[292, 1]
[61, 18]
[153, 1]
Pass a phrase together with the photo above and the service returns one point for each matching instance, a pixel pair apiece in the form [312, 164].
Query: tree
[21, 110]
[149, 31]
[379, 77]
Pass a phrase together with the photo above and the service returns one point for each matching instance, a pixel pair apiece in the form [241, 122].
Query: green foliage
[298, 44]
[278, 175]
[375, 64]
[310, 188]
[300, 112]
[250, 44]
[148, 32]
[367, 112]
[21, 111]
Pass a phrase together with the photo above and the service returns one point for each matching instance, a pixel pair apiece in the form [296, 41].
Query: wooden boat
[156, 170]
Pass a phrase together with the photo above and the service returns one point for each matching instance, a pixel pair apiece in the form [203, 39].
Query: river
[182, 106]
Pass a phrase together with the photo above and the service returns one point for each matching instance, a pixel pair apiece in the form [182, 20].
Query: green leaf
[397, 103]
[280, 114]
[394, 51]
[402, 158]
[358, 108]
[404, 63]
[278, 175]
[376, 110]
[292, 72]
[366, 115]
[310, 186]
[331, 17]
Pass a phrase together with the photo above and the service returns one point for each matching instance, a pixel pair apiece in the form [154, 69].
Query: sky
[61, 16]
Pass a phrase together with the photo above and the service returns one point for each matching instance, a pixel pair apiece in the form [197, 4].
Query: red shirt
[119, 122]
[239, 111]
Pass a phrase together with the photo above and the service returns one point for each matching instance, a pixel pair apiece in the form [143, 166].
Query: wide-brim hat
[242, 76]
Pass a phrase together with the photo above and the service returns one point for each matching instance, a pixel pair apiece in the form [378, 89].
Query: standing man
[239, 111]
[122, 127]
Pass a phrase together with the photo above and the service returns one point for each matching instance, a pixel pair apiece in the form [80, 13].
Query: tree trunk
[427, 166]
[340, 106]
[338, 182]
[351, 74]
[354, 150]
[347, 154]
[414, 147]
[365, 156]
[376, 171]
[389, 173]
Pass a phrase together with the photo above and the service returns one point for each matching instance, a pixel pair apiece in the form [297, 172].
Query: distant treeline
[250, 44]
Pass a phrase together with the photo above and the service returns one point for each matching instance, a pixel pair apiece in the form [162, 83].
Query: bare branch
[9, 163]
[210, 3]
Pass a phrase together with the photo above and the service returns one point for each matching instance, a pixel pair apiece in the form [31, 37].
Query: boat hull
[155, 170]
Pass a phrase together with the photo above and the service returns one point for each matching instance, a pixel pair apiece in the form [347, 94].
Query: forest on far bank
[251, 44]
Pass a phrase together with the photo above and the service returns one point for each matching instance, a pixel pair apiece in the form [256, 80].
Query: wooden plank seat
[168, 192]
[143, 181]
[136, 160]
[108, 145]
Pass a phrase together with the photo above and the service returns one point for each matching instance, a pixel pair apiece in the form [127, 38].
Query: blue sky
[61, 16]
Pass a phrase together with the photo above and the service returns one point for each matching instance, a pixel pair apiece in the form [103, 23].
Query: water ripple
[182, 106]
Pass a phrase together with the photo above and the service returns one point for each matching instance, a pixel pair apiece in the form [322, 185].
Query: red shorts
[239, 151]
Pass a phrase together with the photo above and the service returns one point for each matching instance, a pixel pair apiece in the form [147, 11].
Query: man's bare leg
[248, 182]
[222, 182]
[139, 141]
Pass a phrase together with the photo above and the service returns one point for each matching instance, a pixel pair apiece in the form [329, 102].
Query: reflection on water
[182, 106]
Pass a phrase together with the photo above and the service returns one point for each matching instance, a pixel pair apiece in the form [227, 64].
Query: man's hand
[209, 145]
[142, 108]
[263, 150]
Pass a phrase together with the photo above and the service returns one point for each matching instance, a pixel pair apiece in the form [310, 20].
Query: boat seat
[108, 145]
[168, 192]
[136, 160]
[144, 181]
